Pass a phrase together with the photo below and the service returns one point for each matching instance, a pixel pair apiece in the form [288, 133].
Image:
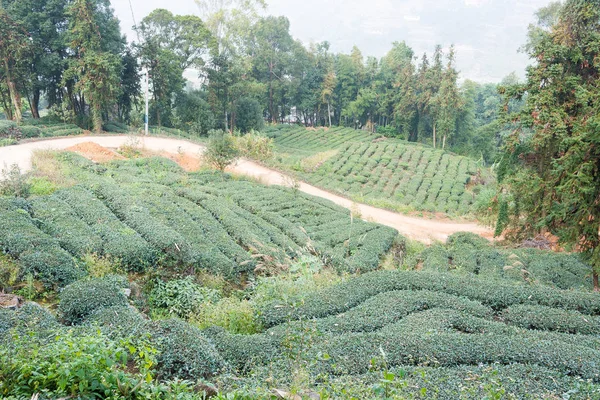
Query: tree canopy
[551, 168]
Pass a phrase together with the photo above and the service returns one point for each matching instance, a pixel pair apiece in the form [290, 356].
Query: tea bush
[469, 253]
[184, 352]
[80, 299]
[37, 253]
[496, 294]
[551, 319]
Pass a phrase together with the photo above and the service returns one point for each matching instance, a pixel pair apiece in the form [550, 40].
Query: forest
[71, 58]
[296, 223]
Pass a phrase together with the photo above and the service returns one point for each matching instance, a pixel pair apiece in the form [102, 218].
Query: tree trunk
[96, 112]
[434, 136]
[232, 120]
[35, 104]
[444, 142]
[6, 106]
[595, 280]
[271, 111]
[329, 112]
[14, 96]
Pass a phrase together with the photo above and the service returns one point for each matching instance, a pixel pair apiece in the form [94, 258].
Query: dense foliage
[72, 57]
[551, 168]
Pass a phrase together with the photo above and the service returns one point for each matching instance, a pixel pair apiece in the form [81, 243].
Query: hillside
[383, 172]
[141, 211]
[259, 288]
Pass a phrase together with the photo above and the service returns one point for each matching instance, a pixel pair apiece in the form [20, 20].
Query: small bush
[42, 186]
[9, 272]
[14, 183]
[81, 298]
[180, 297]
[99, 267]
[236, 316]
[255, 146]
[8, 142]
[185, 352]
[82, 365]
[221, 150]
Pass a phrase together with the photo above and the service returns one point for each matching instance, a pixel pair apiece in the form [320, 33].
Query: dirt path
[424, 230]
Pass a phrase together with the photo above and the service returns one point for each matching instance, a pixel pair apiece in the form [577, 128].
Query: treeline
[71, 55]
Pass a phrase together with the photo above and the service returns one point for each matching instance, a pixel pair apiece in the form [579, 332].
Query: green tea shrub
[8, 320]
[411, 345]
[30, 131]
[59, 221]
[119, 321]
[119, 241]
[390, 307]
[169, 242]
[53, 266]
[184, 352]
[467, 238]
[115, 127]
[243, 352]
[495, 294]
[551, 319]
[80, 299]
[465, 382]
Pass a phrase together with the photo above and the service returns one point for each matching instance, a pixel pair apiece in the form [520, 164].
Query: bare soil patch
[95, 152]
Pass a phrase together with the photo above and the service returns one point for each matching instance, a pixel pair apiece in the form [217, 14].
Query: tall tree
[46, 24]
[447, 101]
[552, 161]
[271, 53]
[170, 44]
[14, 50]
[95, 71]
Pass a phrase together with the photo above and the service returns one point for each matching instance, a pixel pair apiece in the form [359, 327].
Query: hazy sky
[487, 33]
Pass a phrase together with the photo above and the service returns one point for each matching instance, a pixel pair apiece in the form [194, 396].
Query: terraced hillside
[149, 211]
[426, 335]
[388, 173]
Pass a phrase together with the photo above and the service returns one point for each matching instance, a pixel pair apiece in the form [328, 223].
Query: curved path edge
[421, 229]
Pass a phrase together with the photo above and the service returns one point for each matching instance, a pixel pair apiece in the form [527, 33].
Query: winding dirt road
[424, 230]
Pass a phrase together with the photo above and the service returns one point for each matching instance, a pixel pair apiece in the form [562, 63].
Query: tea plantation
[440, 334]
[146, 211]
[388, 173]
[163, 284]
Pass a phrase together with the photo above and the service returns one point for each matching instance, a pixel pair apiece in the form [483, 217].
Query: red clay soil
[95, 152]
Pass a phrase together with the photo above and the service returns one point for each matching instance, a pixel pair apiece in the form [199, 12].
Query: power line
[134, 23]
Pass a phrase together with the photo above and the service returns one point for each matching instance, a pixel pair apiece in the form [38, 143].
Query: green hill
[384, 172]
